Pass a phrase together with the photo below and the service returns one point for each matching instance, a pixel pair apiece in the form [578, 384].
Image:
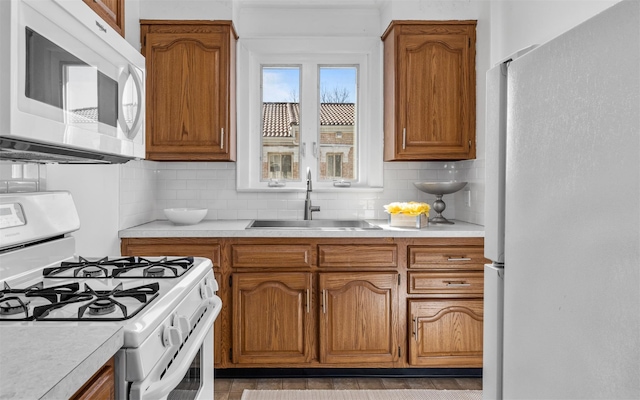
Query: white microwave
[71, 88]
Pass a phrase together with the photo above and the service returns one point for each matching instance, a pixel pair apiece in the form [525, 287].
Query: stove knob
[171, 336]
[206, 291]
[182, 323]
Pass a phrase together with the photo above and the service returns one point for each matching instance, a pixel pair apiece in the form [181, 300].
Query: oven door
[189, 374]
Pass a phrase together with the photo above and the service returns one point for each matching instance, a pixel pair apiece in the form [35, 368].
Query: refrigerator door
[496, 131]
[492, 332]
[572, 243]
[495, 163]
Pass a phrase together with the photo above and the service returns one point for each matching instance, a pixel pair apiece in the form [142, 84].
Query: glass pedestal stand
[440, 189]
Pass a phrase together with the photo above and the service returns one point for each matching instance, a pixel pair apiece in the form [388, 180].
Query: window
[308, 104]
[279, 167]
[338, 128]
[333, 168]
[280, 133]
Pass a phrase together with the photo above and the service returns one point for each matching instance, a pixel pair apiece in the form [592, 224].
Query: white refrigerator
[562, 215]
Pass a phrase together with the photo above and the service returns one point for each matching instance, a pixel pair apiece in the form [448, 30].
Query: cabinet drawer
[458, 283]
[446, 257]
[179, 247]
[271, 256]
[380, 256]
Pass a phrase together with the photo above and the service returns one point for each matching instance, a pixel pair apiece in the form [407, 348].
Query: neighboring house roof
[278, 118]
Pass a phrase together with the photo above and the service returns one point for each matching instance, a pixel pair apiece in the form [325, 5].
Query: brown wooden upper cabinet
[112, 11]
[429, 90]
[191, 104]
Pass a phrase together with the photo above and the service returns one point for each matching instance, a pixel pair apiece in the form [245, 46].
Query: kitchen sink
[317, 224]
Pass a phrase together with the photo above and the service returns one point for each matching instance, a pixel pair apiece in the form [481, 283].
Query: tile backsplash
[212, 185]
[110, 198]
[138, 192]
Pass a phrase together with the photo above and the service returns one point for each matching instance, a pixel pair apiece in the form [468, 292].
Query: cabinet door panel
[434, 84]
[271, 318]
[446, 333]
[358, 319]
[430, 72]
[190, 112]
[185, 73]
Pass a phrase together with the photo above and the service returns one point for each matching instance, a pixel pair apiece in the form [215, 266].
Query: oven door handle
[153, 387]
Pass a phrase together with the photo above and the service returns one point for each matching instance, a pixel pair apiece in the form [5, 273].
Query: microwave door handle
[130, 132]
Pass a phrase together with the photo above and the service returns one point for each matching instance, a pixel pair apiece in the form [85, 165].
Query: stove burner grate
[13, 305]
[15, 301]
[93, 305]
[125, 267]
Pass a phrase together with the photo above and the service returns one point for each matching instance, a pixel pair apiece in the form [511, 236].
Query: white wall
[132, 23]
[307, 21]
[185, 9]
[518, 24]
[108, 198]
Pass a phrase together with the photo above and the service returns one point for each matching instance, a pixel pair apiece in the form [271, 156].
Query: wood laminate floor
[231, 389]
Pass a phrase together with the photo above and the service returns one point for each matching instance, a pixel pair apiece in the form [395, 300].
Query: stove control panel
[11, 215]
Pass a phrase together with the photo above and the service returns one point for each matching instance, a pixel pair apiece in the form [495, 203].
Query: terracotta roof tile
[279, 118]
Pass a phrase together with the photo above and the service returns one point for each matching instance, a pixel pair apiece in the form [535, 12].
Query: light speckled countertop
[52, 362]
[236, 228]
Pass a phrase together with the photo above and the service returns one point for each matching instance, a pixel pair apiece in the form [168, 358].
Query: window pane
[338, 128]
[280, 122]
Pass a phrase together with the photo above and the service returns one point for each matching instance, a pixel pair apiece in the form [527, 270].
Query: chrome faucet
[308, 208]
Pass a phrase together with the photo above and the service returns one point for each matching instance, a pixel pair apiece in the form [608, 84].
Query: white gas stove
[165, 305]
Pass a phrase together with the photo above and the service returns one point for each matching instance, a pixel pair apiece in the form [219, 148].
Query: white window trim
[255, 52]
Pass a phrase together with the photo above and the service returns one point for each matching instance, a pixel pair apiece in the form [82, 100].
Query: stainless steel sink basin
[317, 224]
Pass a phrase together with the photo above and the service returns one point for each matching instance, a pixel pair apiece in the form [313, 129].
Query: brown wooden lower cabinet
[101, 386]
[359, 317]
[321, 302]
[445, 332]
[272, 318]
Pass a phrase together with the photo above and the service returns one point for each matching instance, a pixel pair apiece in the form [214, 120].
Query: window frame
[311, 53]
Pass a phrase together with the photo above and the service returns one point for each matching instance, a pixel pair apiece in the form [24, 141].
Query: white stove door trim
[154, 388]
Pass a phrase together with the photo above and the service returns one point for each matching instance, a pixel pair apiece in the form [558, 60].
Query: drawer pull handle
[415, 328]
[458, 259]
[457, 283]
[308, 300]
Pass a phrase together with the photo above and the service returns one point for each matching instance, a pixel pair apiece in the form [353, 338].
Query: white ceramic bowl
[185, 216]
